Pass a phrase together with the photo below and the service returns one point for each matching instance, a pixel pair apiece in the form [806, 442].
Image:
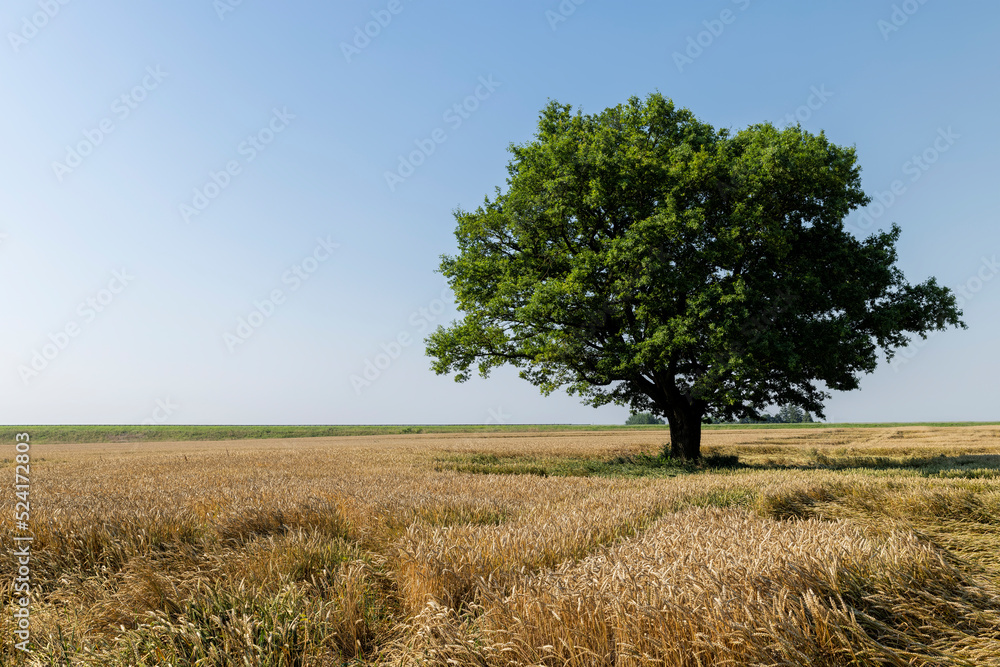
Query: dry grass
[714, 586]
[830, 547]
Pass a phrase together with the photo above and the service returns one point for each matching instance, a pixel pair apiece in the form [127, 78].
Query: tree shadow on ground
[965, 466]
[962, 466]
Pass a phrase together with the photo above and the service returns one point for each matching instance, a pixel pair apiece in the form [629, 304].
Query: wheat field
[830, 546]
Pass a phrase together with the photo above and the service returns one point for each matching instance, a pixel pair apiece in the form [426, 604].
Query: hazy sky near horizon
[222, 212]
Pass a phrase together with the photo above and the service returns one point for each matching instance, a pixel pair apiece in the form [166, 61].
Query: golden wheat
[835, 546]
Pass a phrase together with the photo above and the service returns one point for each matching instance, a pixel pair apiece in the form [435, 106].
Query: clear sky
[169, 168]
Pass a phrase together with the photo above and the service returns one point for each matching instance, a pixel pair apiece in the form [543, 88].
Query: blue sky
[170, 169]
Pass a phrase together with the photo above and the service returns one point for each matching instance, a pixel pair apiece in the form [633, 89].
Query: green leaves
[639, 256]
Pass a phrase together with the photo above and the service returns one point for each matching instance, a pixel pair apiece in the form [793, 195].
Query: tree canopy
[642, 257]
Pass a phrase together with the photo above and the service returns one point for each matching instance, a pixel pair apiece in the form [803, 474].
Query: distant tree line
[787, 414]
[642, 418]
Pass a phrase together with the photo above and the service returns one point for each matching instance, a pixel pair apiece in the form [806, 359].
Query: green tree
[642, 418]
[791, 414]
[641, 257]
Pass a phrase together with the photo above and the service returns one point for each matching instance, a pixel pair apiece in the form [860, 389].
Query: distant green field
[126, 433]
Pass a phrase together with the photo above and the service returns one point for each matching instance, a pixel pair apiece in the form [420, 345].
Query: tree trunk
[685, 433]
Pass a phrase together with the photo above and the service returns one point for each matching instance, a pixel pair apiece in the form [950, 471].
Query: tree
[642, 418]
[791, 414]
[786, 414]
[641, 257]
